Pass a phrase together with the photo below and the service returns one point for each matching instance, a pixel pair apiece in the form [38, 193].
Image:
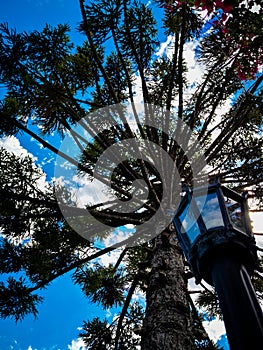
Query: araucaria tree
[134, 57]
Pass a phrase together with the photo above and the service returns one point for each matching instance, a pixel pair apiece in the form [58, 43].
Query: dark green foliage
[42, 75]
[53, 83]
[209, 301]
[103, 17]
[174, 17]
[9, 108]
[114, 68]
[202, 340]
[131, 328]
[99, 335]
[138, 34]
[135, 257]
[16, 299]
[102, 285]
[10, 256]
[35, 240]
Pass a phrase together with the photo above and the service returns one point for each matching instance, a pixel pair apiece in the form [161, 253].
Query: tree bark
[167, 323]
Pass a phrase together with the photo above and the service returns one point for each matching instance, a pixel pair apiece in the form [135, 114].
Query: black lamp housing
[212, 221]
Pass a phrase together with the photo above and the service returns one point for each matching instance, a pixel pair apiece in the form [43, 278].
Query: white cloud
[257, 221]
[77, 345]
[108, 313]
[87, 191]
[12, 144]
[110, 258]
[195, 69]
[165, 47]
[129, 226]
[139, 297]
[137, 88]
[116, 236]
[257, 226]
[224, 108]
[215, 329]
[255, 8]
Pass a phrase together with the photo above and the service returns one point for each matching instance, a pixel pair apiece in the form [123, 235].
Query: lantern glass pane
[210, 209]
[236, 214]
[189, 224]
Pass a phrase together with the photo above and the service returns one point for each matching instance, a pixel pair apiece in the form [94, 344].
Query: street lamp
[214, 231]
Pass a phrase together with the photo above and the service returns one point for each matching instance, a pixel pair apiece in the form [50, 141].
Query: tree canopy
[133, 54]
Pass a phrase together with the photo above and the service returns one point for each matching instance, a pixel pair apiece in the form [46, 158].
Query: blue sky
[62, 312]
[64, 307]
[34, 14]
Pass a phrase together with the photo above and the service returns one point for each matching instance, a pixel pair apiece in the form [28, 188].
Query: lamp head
[214, 221]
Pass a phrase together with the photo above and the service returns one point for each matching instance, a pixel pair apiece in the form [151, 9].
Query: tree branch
[94, 52]
[124, 310]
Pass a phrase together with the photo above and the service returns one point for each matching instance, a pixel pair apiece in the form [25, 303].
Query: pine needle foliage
[131, 50]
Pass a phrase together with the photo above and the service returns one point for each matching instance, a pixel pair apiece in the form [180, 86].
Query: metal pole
[241, 310]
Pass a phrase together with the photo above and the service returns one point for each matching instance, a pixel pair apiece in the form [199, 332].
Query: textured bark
[167, 323]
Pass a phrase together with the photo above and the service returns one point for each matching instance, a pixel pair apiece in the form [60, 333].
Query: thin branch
[198, 320]
[95, 53]
[125, 250]
[129, 81]
[173, 73]
[258, 274]
[72, 160]
[236, 120]
[180, 63]
[214, 107]
[124, 309]
[71, 267]
[134, 51]
[206, 289]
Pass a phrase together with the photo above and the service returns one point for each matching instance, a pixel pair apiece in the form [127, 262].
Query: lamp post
[214, 231]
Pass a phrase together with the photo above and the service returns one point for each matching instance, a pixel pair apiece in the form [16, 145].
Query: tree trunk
[167, 323]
